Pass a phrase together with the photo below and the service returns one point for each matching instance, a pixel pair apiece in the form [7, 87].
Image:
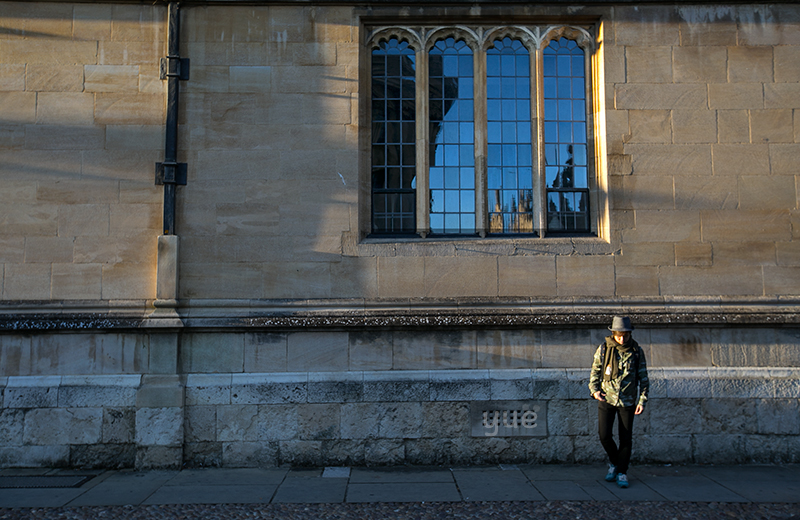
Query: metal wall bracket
[174, 66]
[171, 173]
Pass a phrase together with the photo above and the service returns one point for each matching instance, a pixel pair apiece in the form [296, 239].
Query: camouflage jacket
[623, 390]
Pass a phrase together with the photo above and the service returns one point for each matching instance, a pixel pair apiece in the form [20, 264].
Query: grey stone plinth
[51, 426]
[460, 385]
[411, 385]
[159, 426]
[269, 388]
[335, 387]
[208, 389]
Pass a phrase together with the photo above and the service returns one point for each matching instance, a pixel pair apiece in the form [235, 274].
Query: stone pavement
[751, 483]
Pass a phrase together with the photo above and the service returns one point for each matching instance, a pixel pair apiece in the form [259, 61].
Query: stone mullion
[537, 136]
[423, 145]
[479, 103]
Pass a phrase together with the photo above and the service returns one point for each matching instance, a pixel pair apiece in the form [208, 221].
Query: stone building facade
[301, 296]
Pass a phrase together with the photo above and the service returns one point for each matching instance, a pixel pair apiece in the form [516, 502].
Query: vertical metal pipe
[173, 86]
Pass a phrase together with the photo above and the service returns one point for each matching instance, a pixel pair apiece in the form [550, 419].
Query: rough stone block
[12, 426]
[445, 420]
[396, 386]
[734, 126]
[735, 96]
[384, 452]
[676, 416]
[53, 426]
[687, 382]
[237, 422]
[741, 382]
[511, 384]
[102, 456]
[158, 457]
[742, 226]
[42, 395]
[750, 64]
[460, 385]
[778, 416]
[206, 389]
[269, 388]
[162, 427]
[249, 454]
[700, 64]
[550, 383]
[34, 456]
[310, 351]
[733, 416]
[771, 126]
[278, 422]
[161, 392]
[772, 449]
[202, 454]
[119, 425]
[694, 126]
[319, 421]
[655, 448]
[265, 352]
[661, 97]
[399, 420]
[362, 420]
[718, 449]
[212, 352]
[335, 387]
[200, 423]
[96, 395]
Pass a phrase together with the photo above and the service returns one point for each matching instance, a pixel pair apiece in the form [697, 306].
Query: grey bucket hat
[621, 324]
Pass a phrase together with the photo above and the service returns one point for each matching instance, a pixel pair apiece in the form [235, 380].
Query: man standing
[619, 382]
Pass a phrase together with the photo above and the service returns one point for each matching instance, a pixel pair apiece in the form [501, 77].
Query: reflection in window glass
[452, 150]
[509, 174]
[393, 138]
[565, 142]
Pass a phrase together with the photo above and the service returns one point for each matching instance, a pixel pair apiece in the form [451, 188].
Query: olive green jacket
[623, 390]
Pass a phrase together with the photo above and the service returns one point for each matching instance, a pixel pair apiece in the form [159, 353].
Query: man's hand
[639, 409]
[600, 396]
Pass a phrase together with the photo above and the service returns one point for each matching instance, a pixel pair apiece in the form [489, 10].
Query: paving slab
[311, 490]
[403, 492]
[691, 488]
[561, 490]
[203, 494]
[494, 484]
[400, 474]
[563, 472]
[119, 488]
[39, 497]
[597, 490]
[229, 477]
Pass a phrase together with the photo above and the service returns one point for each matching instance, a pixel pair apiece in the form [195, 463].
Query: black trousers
[619, 456]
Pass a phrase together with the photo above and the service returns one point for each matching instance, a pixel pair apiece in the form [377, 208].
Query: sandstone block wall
[701, 134]
[364, 417]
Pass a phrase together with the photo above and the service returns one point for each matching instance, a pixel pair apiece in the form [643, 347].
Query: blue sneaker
[611, 476]
[622, 480]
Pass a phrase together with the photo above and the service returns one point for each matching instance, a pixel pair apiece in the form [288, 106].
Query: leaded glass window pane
[565, 141]
[393, 138]
[509, 175]
[452, 142]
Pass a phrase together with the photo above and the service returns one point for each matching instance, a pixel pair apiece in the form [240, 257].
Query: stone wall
[701, 415]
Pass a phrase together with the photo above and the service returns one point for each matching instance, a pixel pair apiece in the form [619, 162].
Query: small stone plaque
[508, 418]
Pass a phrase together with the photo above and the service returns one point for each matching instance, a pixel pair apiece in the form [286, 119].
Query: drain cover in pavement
[43, 481]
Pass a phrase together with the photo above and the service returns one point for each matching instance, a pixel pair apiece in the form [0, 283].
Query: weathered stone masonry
[271, 329]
